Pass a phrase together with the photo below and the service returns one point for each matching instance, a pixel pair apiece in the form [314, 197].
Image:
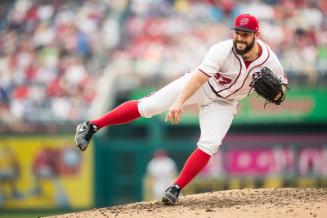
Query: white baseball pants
[216, 114]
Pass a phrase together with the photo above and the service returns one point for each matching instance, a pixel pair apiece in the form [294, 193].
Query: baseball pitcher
[228, 73]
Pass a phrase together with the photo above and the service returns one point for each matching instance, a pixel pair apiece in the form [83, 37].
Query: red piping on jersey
[217, 92]
[204, 73]
[250, 71]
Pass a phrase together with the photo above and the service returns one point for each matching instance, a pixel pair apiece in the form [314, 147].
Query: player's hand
[174, 113]
[281, 93]
[279, 96]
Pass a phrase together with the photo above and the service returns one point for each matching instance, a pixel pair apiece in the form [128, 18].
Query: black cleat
[171, 195]
[84, 133]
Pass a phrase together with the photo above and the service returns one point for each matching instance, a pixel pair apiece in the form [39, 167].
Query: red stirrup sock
[194, 164]
[124, 113]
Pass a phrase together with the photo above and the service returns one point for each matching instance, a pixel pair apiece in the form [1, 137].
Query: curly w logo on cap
[244, 21]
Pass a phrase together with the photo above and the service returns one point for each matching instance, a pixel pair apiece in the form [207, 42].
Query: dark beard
[247, 48]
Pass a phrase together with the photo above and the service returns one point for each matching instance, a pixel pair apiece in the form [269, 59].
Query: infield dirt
[254, 203]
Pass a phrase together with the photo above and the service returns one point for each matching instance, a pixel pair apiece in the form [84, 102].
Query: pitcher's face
[243, 41]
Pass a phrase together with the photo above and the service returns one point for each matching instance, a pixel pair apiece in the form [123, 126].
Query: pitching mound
[254, 203]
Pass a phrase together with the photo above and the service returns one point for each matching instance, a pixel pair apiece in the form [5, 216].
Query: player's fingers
[169, 117]
[278, 96]
[176, 117]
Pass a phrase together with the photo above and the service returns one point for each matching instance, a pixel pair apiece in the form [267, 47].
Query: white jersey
[217, 99]
[229, 77]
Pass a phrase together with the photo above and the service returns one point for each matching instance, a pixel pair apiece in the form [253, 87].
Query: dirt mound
[254, 203]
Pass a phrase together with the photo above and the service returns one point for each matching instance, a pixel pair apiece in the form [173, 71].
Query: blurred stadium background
[62, 62]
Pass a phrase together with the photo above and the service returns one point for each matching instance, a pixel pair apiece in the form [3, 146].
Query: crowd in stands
[169, 37]
[52, 53]
[51, 56]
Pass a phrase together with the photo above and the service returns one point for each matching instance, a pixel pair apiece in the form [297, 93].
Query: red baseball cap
[246, 22]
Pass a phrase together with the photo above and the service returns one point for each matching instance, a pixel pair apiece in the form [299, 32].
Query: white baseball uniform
[218, 98]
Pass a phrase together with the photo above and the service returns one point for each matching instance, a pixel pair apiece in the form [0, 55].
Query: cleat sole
[167, 201]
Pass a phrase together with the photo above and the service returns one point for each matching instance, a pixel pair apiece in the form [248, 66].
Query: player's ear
[257, 34]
